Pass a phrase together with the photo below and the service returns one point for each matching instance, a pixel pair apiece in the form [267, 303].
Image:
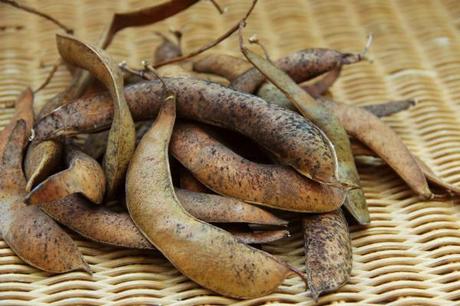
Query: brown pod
[190, 183]
[300, 66]
[321, 86]
[361, 150]
[104, 225]
[122, 138]
[389, 108]
[38, 162]
[271, 94]
[230, 67]
[29, 232]
[359, 121]
[166, 50]
[220, 262]
[227, 66]
[260, 237]
[42, 159]
[218, 209]
[84, 175]
[381, 139]
[95, 144]
[328, 252]
[225, 172]
[294, 140]
[97, 223]
[178, 71]
[310, 108]
[23, 110]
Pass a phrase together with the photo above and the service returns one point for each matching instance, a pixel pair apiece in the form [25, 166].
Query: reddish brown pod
[300, 66]
[84, 175]
[381, 139]
[219, 209]
[30, 233]
[292, 139]
[227, 66]
[225, 172]
[168, 49]
[328, 252]
[220, 262]
[23, 110]
[105, 225]
[327, 121]
[190, 183]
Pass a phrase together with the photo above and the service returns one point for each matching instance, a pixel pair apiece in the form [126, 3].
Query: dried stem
[217, 6]
[152, 70]
[255, 40]
[363, 53]
[41, 14]
[211, 44]
[49, 77]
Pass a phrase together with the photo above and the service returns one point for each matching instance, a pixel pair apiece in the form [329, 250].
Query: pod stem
[149, 68]
[140, 73]
[351, 58]
[255, 40]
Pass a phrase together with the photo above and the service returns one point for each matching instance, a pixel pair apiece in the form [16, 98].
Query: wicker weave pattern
[410, 255]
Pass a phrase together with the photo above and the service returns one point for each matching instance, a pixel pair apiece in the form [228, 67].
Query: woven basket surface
[409, 255]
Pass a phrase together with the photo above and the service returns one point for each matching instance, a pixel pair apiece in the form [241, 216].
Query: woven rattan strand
[409, 255]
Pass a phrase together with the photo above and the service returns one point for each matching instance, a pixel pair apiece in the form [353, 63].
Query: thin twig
[217, 6]
[49, 77]
[211, 44]
[41, 14]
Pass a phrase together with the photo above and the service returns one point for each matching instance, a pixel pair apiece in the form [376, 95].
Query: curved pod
[294, 140]
[225, 172]
[219, 262]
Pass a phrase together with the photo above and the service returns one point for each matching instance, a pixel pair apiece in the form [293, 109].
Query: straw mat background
[409, 255]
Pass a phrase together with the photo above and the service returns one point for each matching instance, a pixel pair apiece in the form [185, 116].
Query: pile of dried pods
[245, 132]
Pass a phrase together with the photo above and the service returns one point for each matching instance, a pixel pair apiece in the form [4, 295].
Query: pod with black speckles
[84, 175]
[220, 262]
[28, 231]
[225, 172]
[300, 66]
[294, 140]
[104, 225]
[328, 252]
